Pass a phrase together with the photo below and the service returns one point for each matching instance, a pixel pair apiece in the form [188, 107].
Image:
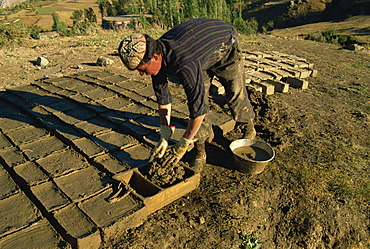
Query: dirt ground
[314, 194]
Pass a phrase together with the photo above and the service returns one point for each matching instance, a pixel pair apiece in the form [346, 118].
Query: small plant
[249, 241]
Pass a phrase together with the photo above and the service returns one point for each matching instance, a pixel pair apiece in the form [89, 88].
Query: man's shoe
[248, 130]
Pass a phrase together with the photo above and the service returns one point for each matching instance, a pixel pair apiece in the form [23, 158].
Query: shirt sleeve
[192, 79]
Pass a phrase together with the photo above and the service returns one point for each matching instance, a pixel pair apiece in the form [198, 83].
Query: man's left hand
[175, 154]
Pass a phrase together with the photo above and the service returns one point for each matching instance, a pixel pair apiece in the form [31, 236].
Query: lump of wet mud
[165, 175]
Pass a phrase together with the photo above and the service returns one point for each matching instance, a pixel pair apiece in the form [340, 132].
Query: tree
[59, 26]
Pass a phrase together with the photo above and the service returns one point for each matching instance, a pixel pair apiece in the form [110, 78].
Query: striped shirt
[189, 49]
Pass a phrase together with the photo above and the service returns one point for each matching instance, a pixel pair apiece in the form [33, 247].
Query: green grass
[44, 10]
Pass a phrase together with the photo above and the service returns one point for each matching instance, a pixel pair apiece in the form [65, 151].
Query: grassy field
[42, 15]
[357, 26]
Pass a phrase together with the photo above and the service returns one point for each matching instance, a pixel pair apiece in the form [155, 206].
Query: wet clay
[250, 152]
[166, 175]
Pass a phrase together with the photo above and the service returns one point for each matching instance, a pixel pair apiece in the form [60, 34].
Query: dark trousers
[230, 72]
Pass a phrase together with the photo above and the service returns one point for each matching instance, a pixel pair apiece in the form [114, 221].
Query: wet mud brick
[16, 213]
[7, 186]
[113, 140]
[62, 162]
[89, 183]
[49, 195]
[83, 232]
[135, 156]
[31, 173]
[38, 235]
[225, 122]
[116, 217]
[297, 83]
[111, 164]
[42, 147]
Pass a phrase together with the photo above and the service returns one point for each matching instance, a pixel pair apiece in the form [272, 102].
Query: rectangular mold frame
[155, 197]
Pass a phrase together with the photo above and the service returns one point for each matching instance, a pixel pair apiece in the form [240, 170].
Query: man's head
[141, 52]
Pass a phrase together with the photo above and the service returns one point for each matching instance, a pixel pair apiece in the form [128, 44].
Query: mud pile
[165, 175]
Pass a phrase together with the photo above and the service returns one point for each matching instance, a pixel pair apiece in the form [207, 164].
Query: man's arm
[193, 127]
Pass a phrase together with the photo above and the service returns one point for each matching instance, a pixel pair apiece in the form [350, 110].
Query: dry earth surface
[314, 194]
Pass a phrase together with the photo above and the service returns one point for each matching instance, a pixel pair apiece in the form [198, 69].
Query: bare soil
[314, 194]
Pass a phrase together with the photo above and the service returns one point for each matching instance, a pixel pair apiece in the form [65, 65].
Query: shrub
[16, 33]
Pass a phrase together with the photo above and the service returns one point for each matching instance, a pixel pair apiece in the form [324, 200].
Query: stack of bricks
[271, 72]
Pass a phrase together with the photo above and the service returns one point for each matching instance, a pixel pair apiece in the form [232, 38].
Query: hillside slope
[289, 13]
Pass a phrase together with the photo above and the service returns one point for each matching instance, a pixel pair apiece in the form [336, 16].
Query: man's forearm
[193, 127]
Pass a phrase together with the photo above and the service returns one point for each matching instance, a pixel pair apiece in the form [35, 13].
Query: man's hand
[160, 148]
[178, 151]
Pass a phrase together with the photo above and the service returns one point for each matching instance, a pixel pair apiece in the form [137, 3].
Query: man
[194, 51]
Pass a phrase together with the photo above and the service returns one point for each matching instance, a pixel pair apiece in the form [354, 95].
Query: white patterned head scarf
[132, 50]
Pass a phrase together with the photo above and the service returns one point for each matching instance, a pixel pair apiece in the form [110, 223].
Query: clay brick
[38, 235]
[114, 79]
[61, 105]
[80, 113]
[48, 87]
[100, 94]
[42, 147]
[136, 111]
[62, 162]
[150, 103]
[39, 112]
[115, 103]
[223, 121]
[14, 121]
[80, 98]
[261, 75]
[149, 121]
[305, 73]
[84, 233]
[130, 84]
[115, 217]
[134, 96]
[89, 183]
[4, 142]
[12, 156]
[297, 83]
[114, 140]
[66, 118]
[88, 147]
[182, 108]
[267, 89]
[135, 128]
[111, 164]
[30, 173]
[99, 74]
[146, 91]
[134, 156]
[96, 107]
[6, 111]
[19, 212]
[313, 73]
[94, 125]
[7, 185]
[27, 134]
[279, 86]
[49, 195]
[114, 116]
[84, 88]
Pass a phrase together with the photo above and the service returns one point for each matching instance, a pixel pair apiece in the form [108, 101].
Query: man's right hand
[160, 148]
